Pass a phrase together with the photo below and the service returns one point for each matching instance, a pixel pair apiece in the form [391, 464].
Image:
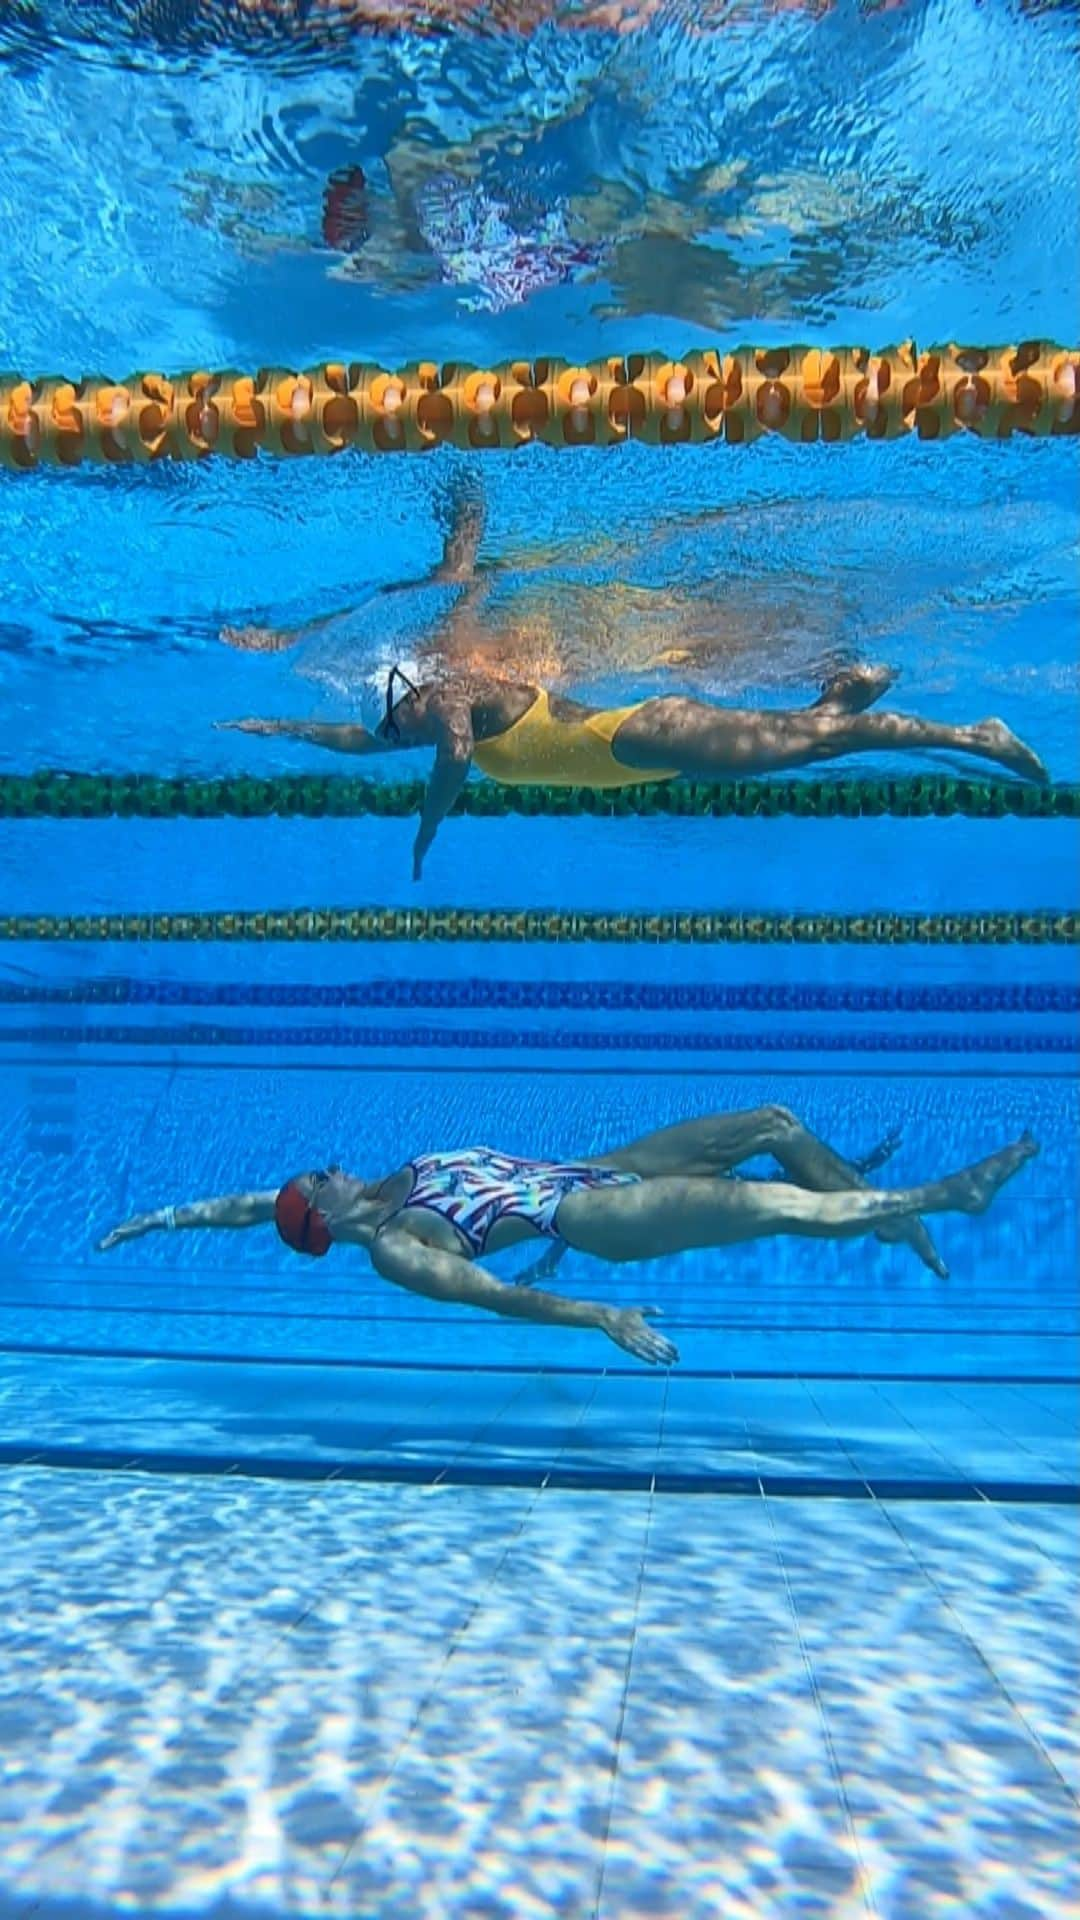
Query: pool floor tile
[481, 1703]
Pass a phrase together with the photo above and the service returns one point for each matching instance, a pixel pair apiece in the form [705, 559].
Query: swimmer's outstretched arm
[340, 737]
[408, 1262]
[225, 1210]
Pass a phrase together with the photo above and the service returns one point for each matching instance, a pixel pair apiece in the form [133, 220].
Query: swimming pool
[324, 1596]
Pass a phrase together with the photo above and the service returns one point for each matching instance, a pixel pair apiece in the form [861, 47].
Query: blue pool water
[323, 1597]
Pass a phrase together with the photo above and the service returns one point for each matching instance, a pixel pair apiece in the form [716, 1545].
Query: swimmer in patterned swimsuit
[517, 733]
[428, 1226]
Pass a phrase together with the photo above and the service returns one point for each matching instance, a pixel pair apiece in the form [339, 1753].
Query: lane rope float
[804, 394]
[52, 794]
[398, 993]
[1039, 927]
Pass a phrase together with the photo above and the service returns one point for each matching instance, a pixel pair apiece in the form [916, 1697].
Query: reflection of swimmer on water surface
[499, 222]
[504, 16]
[533, 609]
[518, 732]
[496, 222]
[458, 568]
[500, 248]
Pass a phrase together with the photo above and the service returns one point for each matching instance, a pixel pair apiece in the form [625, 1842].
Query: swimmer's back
[542, 748]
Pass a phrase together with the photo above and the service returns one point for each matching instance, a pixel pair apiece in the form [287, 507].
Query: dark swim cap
[301, 1225]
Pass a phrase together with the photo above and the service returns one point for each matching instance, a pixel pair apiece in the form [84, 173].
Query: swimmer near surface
[520, 734]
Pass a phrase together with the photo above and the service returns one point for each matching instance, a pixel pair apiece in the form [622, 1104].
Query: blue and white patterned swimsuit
[475, 1187]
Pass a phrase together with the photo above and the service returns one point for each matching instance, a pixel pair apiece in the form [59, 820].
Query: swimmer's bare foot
[972, 1190]
[877, 1156]
[998, 742]
[856, 688]
[912, 1232]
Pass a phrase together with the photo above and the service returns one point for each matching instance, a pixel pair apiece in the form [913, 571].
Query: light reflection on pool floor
[252, 1698]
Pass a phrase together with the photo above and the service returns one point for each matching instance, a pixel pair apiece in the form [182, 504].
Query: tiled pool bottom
[614, 1430]
[225, 1696]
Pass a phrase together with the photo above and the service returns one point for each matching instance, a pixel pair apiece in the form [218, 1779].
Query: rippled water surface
[243, 184]
[168, 178]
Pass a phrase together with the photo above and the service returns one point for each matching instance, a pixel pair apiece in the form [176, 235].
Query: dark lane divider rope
[517, 1039]
[57, 795]
[1039, 927]
[605, 996]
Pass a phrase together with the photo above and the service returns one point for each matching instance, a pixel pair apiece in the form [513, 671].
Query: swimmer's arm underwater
[446, 725]
[225, 1210]
[450, 720]
[340, 737]
[408, 1262]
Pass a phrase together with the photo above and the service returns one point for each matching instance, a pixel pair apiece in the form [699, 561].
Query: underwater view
[539, 988]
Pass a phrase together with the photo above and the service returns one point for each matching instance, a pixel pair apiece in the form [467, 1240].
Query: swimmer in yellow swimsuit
[519, 734]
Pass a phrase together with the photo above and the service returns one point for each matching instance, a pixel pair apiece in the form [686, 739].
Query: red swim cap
[346, 222]
[301, 1225]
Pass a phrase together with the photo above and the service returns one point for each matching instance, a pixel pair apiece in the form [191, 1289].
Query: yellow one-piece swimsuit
[540, 749]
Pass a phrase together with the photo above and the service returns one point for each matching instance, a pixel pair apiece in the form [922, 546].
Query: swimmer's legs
[704, 742]
[671, 1215]
[848, 733]
[719, 1142]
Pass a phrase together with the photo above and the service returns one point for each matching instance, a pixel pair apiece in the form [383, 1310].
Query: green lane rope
[56, 795]
[1043, 927]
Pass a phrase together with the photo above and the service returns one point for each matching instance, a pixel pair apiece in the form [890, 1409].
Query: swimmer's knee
[779, 1121]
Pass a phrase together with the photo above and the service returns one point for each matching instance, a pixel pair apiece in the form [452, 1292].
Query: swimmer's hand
[421, 849]
[629, 1329]
[131, 1230]
[251, 726]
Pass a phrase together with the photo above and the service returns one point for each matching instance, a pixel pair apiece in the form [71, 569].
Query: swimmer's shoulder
[498, 705]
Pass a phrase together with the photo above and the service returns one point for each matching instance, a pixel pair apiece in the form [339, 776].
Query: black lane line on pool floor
[180, 1356]
[519, 1474]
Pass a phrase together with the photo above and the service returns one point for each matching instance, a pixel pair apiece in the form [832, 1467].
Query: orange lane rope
[804, 394]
